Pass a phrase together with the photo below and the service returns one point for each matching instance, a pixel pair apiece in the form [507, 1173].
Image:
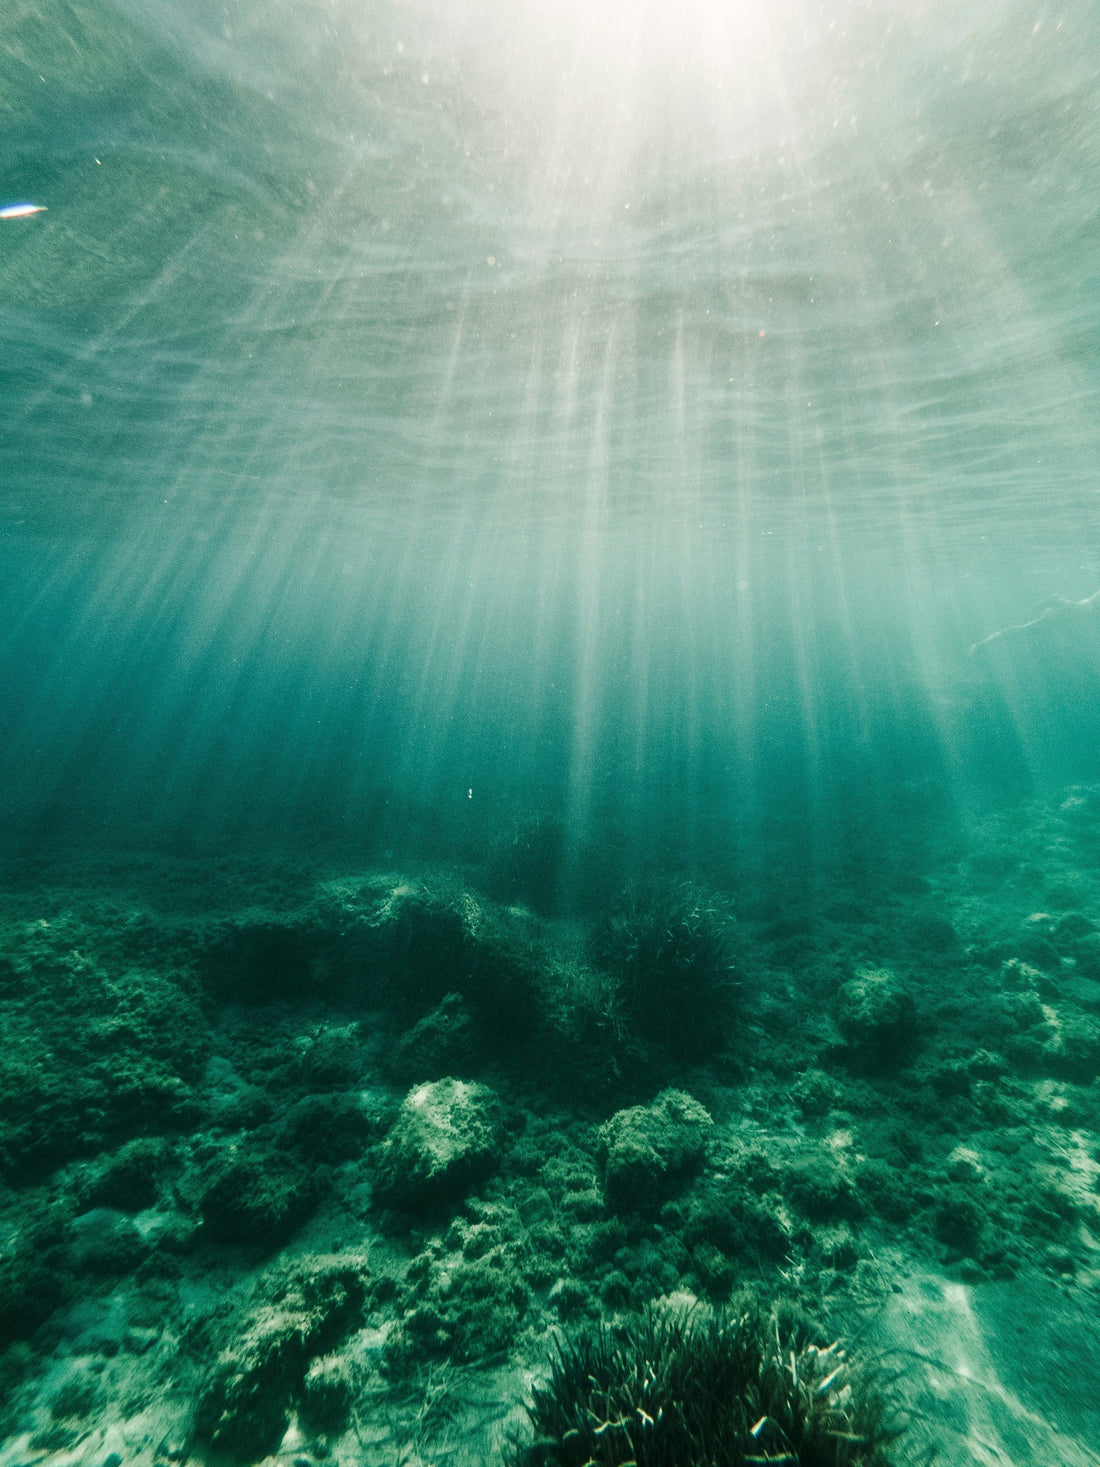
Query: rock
[958, 1220]
[331, 1128]
[105, 1241]
[1073, 1048]
[446, 1134]
[820, 1190]
[964, 1165]
[1041, 953]
[649, 1149]
[878, 1018]
[255, 1195]
[1071, 926]
[328, 1392]
[296, 1313]
[445, 1040]
[933, 934]
[1086, 953]
[570, 1297]
[458, 1308]
[95, 1327]
[126, 1180]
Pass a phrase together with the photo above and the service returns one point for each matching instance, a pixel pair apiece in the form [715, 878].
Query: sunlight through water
[549, 732]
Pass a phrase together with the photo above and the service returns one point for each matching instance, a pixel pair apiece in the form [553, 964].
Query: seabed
[311, 1160]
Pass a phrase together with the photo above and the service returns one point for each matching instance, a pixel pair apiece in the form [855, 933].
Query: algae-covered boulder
[1086, 954]
[253, 1194]
[718, 1214]
[461, 1308]
[104, 1241]
[1072, 1050]
[877, 1016]
[445, 1040]
[820, 1190]
[264, 1351]
[36, 1275]
[649, 1149]
[91, 1058]
[329, 1391]
[446, 1134]
[127, 1178]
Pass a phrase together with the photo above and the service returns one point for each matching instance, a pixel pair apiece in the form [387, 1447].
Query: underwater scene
[549, 733]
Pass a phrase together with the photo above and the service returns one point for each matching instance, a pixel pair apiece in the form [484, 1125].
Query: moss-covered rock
[877, 1016]
[445, 1041]
[91, 1058]
[1072, 1050]
[252, 1194]
[447, 1133]
[959, 1220]
[815, 1093]
[1086, 954]
[931, 934]
[127, 1178]
[104, 1241]
[264, 1347]
[718, 1213]
[329, 1390]
[649, 1150]
[820, 1190]
[34, 1282]
[460, 1308]
[331, 1128]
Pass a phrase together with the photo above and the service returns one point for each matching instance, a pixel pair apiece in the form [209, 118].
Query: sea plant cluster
[687, 1386]
[669, 950]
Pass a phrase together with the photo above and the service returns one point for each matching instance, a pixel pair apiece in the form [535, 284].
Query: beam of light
[584, 304]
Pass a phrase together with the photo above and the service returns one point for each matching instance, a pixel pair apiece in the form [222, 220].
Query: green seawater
[549, 451]
[628, 416]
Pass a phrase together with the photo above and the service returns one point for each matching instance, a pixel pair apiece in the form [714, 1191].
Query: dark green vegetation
[677, 1385]
[670, 954]
[302, 1152]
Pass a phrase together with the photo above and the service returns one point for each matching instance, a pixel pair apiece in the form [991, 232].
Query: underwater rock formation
[446, 1134]
[649, 1149]
[265, 1349]
[878, 1018]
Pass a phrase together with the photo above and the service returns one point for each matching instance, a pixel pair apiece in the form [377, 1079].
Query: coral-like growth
[682, 1384]
[670, 951]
